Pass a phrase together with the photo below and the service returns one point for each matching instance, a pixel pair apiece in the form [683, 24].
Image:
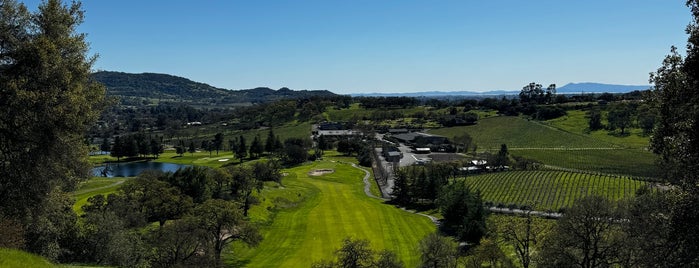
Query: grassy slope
[333, 207]
[575, 122]
[517, 132]
[18, 258]
[92, 187]
[549, 189]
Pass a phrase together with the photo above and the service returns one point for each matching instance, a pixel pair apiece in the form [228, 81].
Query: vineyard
[549, 190]
[632, 162]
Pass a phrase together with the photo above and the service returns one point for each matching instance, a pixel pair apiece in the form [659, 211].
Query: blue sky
[386, 46]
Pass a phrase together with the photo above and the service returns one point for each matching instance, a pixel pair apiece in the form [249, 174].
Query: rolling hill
[164, 87]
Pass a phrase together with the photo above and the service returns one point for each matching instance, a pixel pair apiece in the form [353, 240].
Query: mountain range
[570, 88]
[165, 87]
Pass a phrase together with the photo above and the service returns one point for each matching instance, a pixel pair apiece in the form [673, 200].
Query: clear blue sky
[386, 45]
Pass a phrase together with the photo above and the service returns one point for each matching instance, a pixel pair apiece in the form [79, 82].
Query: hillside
[164, 87]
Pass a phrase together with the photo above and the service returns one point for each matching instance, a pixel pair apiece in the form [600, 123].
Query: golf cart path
[367, 191]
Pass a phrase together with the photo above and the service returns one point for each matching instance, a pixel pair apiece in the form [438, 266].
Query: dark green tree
[503, 157]
[105, 146]
[48, 101]
[463, 211]
[191, 149]
[256, 148]
[241, 150]
[218, 142]
[620, 116]
[594, 117]
[117, 148]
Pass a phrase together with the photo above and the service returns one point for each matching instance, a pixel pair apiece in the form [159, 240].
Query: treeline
[280, 112]
[198, 211]
[136, 145]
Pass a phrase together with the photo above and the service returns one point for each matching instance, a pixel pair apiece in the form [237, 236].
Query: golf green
[334, 206]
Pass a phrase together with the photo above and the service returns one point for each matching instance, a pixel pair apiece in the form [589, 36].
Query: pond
[132, 169]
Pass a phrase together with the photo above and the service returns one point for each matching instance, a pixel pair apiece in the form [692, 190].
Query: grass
[550, 189]
[311, 216]
[576, 122]
[518, 132]
[92, 187]
[18, 258]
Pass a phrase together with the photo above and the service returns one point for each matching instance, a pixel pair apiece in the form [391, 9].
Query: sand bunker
[223, 160]
[320, 172]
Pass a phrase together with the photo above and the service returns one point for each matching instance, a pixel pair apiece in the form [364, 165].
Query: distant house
[422, 140]
[393, 156]
[332, 129]
[397, 130]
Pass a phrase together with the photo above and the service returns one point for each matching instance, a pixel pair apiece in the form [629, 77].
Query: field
[549, 189]
[306, 220]
[518, 132]
[576, 122]
[562, 143]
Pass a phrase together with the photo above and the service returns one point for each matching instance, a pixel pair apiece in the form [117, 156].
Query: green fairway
[314, 214]
[92, 187]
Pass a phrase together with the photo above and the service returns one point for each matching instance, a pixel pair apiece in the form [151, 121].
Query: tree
[243, 185]
[503, 157]
[256, 148]
[272, 144]
[192, 181]
[523, 234]
[105, 146]
[180, 148]
[155, 148]
[594, 119]
[586, 236]
[401, 188]
[117, 148]
[437, 252]
[354, 253]
[620, 117]
[463, 212]
[157, 200]
[463, 142]
[295, 151]
[222, 223]
[48, 101]
[191, 148]
[218, 142]
[241, 149]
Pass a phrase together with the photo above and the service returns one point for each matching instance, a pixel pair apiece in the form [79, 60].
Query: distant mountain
[571, 88]
[599, 88]
[437, 93]
[164, 87]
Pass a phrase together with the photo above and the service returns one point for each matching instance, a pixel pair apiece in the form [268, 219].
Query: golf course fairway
[330, 207]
